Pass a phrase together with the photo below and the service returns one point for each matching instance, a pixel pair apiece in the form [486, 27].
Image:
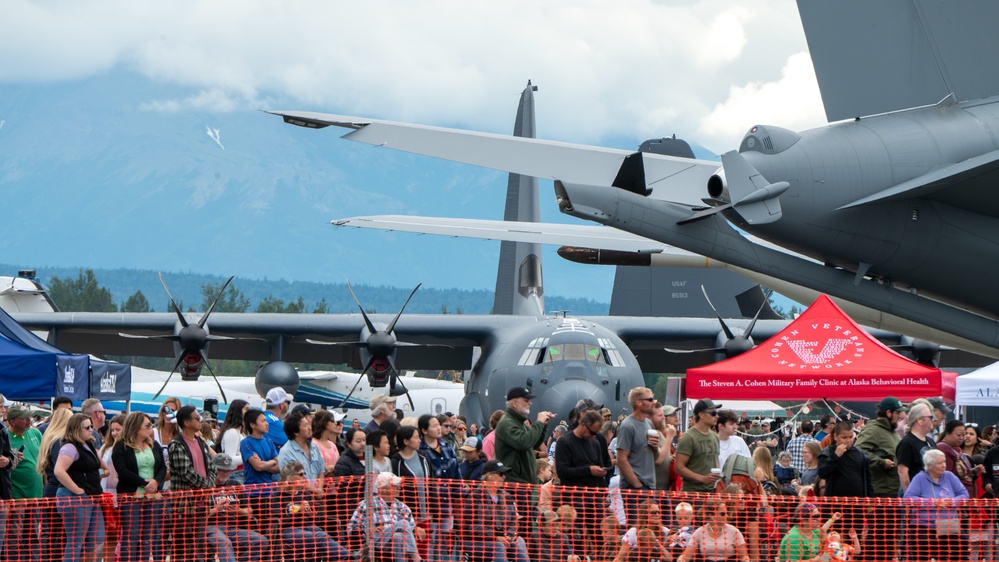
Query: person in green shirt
[804, 541]
[25, 441]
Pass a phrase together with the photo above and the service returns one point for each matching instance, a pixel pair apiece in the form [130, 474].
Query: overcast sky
[704, 69]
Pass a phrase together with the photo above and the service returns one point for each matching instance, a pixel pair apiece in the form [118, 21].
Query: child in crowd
[684, 526]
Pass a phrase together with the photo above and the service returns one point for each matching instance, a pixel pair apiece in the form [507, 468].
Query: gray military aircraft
[888, 207]
[561, 358]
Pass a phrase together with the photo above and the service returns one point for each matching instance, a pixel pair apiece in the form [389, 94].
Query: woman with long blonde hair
[49, 449]
[764, 465]
[78, 470]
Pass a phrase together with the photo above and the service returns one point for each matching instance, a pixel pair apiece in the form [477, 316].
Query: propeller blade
[230, 338]
[410, 344]
[713, 350]
[357, 383]
[172, 371]
[396, 377]
[201, 323]
[749, 329]
[367, 321]
[210, 370]
[318, 342]
[173, 337]
[725, 328]
[396, 319]
[183, 321]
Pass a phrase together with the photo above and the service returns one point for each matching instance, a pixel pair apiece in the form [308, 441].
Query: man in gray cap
[382, 408]
[227, 510]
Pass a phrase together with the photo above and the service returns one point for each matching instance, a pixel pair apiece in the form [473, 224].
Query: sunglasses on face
[649, 399]
[711, 412]
[88, 427]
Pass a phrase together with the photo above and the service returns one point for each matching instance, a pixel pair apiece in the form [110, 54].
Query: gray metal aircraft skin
[895, 204]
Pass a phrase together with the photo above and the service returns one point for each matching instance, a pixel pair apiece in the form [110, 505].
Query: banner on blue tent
[73, 374]
[110, 381]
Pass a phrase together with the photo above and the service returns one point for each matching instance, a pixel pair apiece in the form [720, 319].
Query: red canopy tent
[822, 354]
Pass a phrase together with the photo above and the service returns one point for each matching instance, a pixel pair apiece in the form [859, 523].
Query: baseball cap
[495, 466]
[19, 411]
[669, 410]
[938, 404]
[472, 444]
[891, 404]
[223, 461]
[338, 416]
[304, 408]
[519, 392]
[387, 479]
[276, 396]
[705, 404]
[605, 412]
[379, 399]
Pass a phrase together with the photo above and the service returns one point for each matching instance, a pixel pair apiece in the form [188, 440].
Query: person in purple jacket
[936, 530]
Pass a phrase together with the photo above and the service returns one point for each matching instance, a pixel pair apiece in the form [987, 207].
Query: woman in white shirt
[232, 434]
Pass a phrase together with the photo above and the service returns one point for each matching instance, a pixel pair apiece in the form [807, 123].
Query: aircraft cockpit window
[532, 355]
[574, 352]
[611, 354]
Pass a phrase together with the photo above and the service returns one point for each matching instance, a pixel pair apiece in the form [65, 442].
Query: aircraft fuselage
[916, 242]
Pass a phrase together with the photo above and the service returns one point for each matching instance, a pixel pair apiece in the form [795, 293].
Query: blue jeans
[313, 540]
[497, 552]
[83, 522]
[142, 526]
[228, 541]
[399, 539]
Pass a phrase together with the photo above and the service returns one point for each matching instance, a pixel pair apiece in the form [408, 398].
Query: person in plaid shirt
[392, 524]
[797, 445]
[190, 469]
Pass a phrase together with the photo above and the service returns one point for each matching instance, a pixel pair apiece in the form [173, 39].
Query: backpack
[738, 470]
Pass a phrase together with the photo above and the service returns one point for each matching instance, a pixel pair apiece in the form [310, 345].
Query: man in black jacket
[583, 467]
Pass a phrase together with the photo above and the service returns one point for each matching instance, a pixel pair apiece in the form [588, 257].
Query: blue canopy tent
[25, 373]
[66, 375]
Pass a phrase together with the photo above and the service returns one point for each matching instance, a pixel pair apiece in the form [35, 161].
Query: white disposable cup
[716, 471]
[652, 433]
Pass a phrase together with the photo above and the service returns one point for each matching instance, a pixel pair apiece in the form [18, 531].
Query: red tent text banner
[822, 354]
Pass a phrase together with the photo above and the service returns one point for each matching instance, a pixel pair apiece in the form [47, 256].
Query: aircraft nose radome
[562, 397]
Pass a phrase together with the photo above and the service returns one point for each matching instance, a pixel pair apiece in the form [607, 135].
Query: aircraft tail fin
[519, 280]
[877, 57]
[674, 292]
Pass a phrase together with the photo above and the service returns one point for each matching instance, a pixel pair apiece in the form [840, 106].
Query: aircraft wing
[542, 159]
[966, 185]
[588, 236]
[284, 335]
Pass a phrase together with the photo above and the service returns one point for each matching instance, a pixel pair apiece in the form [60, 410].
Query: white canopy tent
[979, 387]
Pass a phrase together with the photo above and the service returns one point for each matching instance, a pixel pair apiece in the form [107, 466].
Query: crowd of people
[283, 482]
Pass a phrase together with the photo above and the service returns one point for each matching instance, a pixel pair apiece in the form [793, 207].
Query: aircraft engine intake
[718, 187]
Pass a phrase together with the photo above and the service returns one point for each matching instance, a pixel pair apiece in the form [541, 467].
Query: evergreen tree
[84, 294]
[233, 300]
[136, 303]
[321, 307]
[272, 304]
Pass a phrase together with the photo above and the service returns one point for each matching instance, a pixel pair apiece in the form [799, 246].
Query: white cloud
[792, 102]
[632, 68]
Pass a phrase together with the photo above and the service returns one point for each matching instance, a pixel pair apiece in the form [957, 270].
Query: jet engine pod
[718, 186]
[274, 374]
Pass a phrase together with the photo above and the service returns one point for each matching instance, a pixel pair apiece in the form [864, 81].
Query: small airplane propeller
[733, 344]
[380, 346]
[192, 339]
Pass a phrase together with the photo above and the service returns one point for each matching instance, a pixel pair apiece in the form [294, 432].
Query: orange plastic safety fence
[443, 520]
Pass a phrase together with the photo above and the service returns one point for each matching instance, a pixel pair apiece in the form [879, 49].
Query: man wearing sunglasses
[698, 450]
[637, 449]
